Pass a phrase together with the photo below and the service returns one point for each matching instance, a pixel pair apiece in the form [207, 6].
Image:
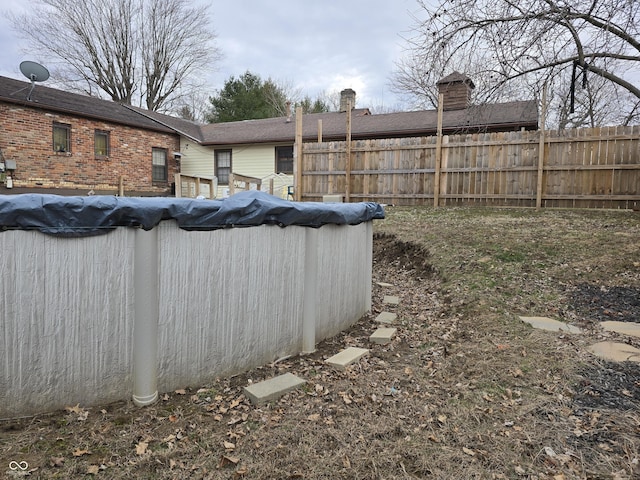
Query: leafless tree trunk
[144, 52]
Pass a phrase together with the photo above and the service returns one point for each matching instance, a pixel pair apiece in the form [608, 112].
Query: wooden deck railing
[192, 186]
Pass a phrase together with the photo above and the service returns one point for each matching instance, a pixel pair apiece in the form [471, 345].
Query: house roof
[364, 125]
[51, 99]
[456, 77]
[479, 118]
[180, 125]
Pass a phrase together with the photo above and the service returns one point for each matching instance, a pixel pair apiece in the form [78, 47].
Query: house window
[284, 160]
[61, 137]
[223, 166]
[101, 143]
[159, 165]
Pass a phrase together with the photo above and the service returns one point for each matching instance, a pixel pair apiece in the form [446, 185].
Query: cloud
[316, 46]
[320, 46]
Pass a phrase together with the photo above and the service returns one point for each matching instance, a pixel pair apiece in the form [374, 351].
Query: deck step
[272, 389]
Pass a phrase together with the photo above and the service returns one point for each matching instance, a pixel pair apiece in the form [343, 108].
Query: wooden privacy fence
[577, 168]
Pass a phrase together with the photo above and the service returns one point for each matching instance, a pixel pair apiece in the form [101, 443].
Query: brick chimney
[346, 95]
[456, 89]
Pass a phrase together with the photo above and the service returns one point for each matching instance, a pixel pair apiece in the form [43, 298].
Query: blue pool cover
[95, 215]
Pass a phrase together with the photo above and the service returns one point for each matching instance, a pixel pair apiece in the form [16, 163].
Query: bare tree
[278, 92]
[144, 52]
[510, 48]
[193, 106]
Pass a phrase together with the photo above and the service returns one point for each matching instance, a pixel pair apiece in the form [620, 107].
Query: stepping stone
[544, 323]
[383, 284]
[626, 328]
[614, 351]
[382, 336]
[389, 300]
[272, 389]
[346, 357]
[386, 317]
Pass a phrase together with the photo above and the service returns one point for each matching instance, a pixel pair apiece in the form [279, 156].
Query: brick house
[65, 143]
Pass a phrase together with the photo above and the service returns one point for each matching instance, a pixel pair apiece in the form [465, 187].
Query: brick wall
[26, 136]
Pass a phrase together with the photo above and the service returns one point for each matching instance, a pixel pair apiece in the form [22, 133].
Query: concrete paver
[614, 351]
[391, 300]
[386, 317]
[626, 328]
[346, 357]
[272, 389]
[382, 336]
[544, 323]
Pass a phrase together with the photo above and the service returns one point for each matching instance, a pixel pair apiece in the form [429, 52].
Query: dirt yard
[465, 390]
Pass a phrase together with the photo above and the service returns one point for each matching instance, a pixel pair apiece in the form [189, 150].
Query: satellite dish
[34, 72]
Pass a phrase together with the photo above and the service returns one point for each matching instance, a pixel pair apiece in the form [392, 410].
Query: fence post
[146, 313]
[347, 193]
[543, 114]
[297, 152]
[436, 182]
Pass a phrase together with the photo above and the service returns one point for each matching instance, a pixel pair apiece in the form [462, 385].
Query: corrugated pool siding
[229, 300]
[225, 313]
[344, 277]
[67, 320]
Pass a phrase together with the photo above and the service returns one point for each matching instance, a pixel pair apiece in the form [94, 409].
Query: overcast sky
[316, 46]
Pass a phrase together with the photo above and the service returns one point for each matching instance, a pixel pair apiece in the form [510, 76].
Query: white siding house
[258, 161]
[196, 160]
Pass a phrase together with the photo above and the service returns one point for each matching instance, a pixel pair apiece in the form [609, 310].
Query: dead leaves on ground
[80, 413]
[141, 447]
[93, 469]
[231, 461]
[78, 452]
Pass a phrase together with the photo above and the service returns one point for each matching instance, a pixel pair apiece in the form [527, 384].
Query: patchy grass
[465, 390]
